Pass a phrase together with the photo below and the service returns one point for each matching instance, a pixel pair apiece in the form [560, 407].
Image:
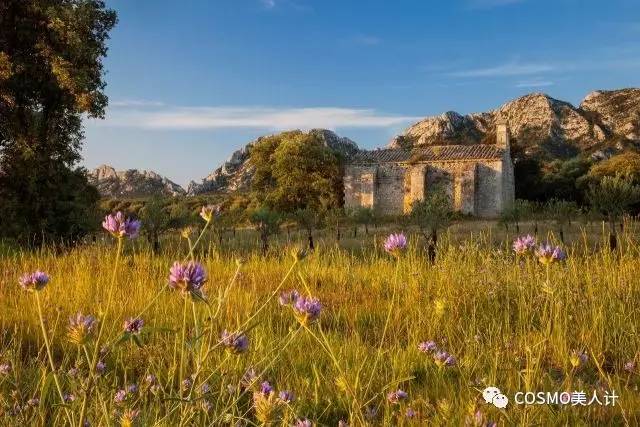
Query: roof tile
[430, 154]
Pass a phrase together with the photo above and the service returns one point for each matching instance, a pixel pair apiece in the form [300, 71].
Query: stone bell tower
[502, 133]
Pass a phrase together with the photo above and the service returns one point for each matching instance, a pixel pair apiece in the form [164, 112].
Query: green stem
[182, 346]
[386, 327]
[50, 356]
[96, 350]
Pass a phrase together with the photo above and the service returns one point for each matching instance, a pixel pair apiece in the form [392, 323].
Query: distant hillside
[132, 183]
[605, 122]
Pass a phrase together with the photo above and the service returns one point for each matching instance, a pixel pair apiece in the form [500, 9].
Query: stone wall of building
[489, 189]
[360, 185]
[391, 189]
[478, 187]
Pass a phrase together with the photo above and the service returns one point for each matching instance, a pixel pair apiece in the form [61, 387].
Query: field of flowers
[111, 334]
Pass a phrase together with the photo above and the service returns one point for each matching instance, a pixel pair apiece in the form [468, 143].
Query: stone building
[478, 178]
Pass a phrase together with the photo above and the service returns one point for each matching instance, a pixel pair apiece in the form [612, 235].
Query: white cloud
[513, 68]
[194, 118]
[535, 83]
[134, 103]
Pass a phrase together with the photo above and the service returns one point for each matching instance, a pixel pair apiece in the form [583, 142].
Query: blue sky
[189, 82]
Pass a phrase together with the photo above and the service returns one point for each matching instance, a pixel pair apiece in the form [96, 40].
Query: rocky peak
[538, 124]
[616, 110]
[132, 183]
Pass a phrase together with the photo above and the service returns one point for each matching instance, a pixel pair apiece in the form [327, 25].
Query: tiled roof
[429, 154]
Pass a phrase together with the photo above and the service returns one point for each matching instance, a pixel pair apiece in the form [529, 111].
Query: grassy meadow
[508, 321]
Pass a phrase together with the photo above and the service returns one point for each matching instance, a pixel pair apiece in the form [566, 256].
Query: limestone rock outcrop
[539, 124]
[132, 183]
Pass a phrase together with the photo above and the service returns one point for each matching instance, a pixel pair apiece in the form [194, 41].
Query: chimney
[502, 133]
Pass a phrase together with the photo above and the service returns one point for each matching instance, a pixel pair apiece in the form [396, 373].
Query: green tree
[430, 215]
[295, 170]
[612, 197]
[514, 213]
[562, 212]
[362, 216]
[155, 220]
[267, 223]
[308, 219]
[51, 74]
[335, 219]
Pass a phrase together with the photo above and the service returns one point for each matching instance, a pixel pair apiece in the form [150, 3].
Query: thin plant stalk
[50, 357]
[96, 350]
[386, 326]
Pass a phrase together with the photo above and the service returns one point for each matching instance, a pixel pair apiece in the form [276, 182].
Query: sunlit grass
[506, 323]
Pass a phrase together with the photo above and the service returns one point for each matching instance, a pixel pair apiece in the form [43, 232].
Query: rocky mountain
[132, 183]
[235, 173]
[539, 124]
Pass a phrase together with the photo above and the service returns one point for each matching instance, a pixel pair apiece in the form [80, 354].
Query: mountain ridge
[604, 123]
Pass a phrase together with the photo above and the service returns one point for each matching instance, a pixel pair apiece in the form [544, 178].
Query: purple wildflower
[307, 310]
[205, 388]
[151, 379]
[288, 297]
[524, 244]
[119, 226]
[132, 388]
[303, 423]
[427, 347]
[266, 388]
[81, 328]
[69, 397]
[442, 358]
[33, 402]
[286, 396]
[186, 384]
[5, 368]
[101, 367]
[397, 396]
[410, 413]
[630, 366]
[133, 325]
[187, 278]
[395, 244]
[547, 254]
[34, 281]
[235, 342]
[73, 372]
[120, 396]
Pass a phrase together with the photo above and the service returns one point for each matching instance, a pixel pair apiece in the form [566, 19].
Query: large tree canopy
[51, 74]
[295, 170]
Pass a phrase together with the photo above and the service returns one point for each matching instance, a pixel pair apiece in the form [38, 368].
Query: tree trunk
[310, 238]
[338, 234]
[535, 229]
[431, 247]
[265, 243]
[562, 235]
[355, 231]
[366, 229]
[613, 237]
